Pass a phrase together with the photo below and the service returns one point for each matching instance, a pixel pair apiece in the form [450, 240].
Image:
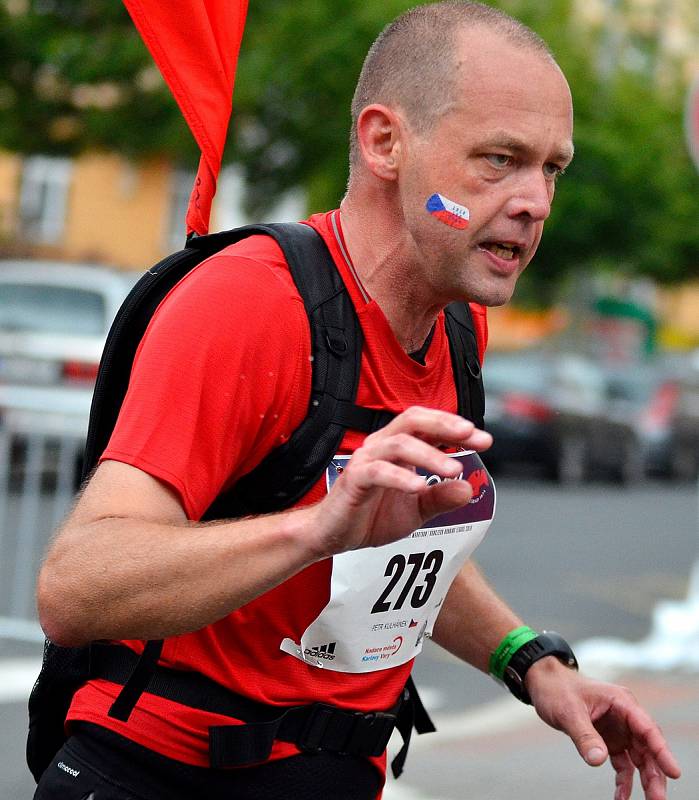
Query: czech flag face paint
[449, 212]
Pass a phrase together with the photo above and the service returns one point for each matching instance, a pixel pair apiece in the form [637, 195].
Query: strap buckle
[311, 737]
[347, 732]
[370, 733]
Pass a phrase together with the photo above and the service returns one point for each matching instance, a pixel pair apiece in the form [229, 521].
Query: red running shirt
[221, 377]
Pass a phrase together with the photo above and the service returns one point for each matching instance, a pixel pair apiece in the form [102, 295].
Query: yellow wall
[10, 168]
[680, 309]
[117, 211]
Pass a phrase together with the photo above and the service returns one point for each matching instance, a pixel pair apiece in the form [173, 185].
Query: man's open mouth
[508, 252]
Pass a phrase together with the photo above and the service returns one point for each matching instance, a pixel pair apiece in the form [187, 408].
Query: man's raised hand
[380, 498]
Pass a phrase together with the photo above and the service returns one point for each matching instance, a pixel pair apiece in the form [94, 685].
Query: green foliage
[75, 75]
[629, 202]
[296, 74]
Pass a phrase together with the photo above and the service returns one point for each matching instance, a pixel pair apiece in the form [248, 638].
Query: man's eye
[553, 171]
[499, 160]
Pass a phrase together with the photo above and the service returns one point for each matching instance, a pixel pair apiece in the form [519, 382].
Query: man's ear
[379, 133]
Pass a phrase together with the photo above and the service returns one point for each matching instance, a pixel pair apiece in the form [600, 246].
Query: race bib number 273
[385, 600]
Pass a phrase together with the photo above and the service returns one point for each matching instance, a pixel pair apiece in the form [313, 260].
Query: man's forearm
[473, 619]
[136, 579]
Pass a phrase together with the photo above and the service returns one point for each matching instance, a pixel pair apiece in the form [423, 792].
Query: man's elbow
[57, 611]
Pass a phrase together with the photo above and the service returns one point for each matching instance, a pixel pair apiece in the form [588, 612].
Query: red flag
[195, 44]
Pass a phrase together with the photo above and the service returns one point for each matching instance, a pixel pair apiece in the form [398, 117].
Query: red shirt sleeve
[221, 377]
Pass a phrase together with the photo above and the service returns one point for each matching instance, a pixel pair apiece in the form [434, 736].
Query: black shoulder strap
[287, 473]
[464, 357]
[128, 329]
[336, 345]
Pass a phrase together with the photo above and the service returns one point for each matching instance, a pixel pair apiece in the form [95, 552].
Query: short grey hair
[411, 62]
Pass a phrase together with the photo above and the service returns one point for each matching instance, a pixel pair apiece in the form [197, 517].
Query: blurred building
[107, 209]
[656, 37]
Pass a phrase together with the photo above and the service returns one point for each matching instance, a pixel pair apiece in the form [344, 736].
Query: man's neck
[386, 261]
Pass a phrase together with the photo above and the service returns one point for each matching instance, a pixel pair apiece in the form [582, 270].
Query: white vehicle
[54, 319]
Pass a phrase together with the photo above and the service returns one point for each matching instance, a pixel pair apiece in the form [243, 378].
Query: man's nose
[533, 197]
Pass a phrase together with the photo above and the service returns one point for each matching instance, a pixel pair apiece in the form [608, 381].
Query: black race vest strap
[413, 714]
[359, 418]
[288, 472]
[137, 681]
[465, 363]
[336, 345]
[313, 727]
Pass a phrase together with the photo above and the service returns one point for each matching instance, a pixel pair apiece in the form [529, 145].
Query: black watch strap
[547, 643]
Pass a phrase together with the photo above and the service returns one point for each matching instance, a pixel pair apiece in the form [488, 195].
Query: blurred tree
[630, 200]
[75, 75]
[298, 66]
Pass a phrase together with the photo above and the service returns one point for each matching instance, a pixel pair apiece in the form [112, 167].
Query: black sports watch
[547, 643]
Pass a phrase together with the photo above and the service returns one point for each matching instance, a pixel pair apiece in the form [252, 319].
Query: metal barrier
[42, 435]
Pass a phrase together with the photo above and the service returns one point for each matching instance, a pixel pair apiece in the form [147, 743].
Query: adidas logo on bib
[326, 651]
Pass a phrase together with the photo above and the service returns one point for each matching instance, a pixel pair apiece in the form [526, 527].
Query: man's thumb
[588, 742]
[592, 750]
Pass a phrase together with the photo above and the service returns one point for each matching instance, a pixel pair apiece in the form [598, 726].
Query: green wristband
[500, 658]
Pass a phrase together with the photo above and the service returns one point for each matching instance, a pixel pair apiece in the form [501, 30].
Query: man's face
[497, 152]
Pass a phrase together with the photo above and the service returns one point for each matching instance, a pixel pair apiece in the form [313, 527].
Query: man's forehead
[509, 90]
[487, 59]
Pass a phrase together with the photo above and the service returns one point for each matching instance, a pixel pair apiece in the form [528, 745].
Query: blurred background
[592, 375]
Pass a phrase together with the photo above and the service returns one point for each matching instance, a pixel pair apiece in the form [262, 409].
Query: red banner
[195, 44]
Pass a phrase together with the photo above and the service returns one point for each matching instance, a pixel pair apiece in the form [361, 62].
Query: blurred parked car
[551, 413]
[54, 319]
[685, 433]
[647, 395]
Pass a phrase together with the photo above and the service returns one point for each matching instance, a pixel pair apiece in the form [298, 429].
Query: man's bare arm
[128, 564]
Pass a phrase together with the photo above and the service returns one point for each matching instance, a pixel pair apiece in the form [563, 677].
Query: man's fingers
[624, 775]
[437, 427]
[653, 780]
[385, 475]
[650, 741]
[588, 742]
[404, 449]
[479, 440]
[443, 497]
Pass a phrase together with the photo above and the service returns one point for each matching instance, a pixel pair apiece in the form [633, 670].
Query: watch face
[513, 676]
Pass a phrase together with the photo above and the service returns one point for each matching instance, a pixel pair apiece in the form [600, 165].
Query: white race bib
[385, 600]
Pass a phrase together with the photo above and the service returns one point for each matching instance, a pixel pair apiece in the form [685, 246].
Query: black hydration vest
[279, 481]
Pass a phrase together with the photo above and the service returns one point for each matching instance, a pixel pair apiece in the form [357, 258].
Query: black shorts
[97, 764]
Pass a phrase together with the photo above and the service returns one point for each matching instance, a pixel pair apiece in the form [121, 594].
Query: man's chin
[493, 296]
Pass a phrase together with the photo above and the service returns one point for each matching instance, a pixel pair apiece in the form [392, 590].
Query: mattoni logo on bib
[479, 483]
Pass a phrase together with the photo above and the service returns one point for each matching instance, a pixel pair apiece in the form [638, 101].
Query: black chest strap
[312, 727]
[464, 358]
[291, 469]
